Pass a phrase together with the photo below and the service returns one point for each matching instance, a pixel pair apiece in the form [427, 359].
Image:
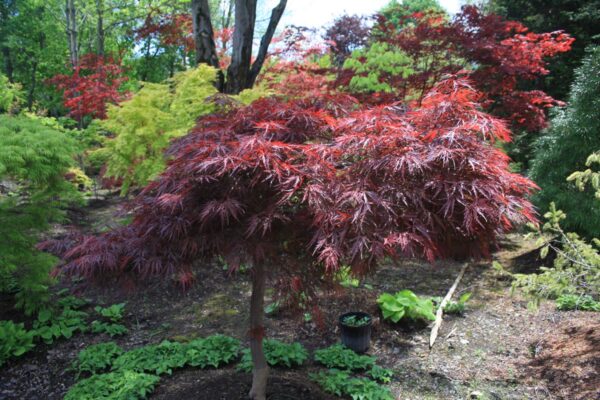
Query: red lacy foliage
[307, 185]
[93, 84]
[169, 29]
[292, 70]
[503, 54]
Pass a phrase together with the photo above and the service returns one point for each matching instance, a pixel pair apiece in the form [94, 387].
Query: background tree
[34, 160]
[346, 34]
[242, 72]
[580, 18]
[565, 146]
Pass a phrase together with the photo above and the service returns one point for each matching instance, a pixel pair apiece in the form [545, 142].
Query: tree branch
[265, 41]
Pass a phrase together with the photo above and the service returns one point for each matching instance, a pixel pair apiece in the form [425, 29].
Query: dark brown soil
[499, 349]
[569, 361]
[230, 385]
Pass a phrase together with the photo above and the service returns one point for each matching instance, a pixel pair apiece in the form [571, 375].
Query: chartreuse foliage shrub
[278, 354]
[576, 268]
[339, 379]
[374, 68]
[15, 340]
[135, 373]
[144, 125]
[10, 95]
[565, 147]
[405, 304]
[34, 159]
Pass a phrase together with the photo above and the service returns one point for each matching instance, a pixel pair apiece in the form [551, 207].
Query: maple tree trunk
[204, 38]
[260, 369]
[243, 37]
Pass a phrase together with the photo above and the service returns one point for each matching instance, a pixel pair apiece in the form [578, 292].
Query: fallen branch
[440, 310]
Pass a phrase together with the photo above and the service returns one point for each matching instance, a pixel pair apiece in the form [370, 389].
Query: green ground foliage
[565, 147]
[341, 376]
[34, 159]
[405, 304]
[278, 354]
[135, 373]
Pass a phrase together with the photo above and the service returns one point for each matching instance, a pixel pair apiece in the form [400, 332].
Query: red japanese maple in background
[93, 84]
[297, 188]
[501, 54]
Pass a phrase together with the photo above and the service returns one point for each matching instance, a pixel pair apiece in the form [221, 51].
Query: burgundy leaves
[303, 184]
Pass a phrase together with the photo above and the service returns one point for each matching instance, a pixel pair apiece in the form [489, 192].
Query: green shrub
[14, 340]
[569, 302]
[97, 358]
[341, 383]
[405, 304]
[120, 385]
[33, 162]
[10, 95]
[576, 268]
[277, 354]
[565, 146]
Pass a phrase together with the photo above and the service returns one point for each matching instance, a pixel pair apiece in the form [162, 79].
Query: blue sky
[318, 13]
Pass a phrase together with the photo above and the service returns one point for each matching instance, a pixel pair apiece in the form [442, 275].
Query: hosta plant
[278, 354]
[97, 358]
[405, 304]
[15, 340]
[157, 359]
[119, 385]
[212, 351]
[569, 302]
[340, 357]
[341, 383]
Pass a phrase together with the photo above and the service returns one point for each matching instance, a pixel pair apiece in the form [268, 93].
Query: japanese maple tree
[92, 84]
[297, 188]
[501, 55]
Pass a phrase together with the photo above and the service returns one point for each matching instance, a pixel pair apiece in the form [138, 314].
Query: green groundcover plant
[277, 353]
[405, 304]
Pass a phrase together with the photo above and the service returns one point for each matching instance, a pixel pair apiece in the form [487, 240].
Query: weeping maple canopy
[310, 183]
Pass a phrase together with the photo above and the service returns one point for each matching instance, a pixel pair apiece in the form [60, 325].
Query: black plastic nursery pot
[357, 338]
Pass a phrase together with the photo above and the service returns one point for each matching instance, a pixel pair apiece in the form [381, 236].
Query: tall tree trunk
[243, 37]
[100, 34]
[260, 370]
[71, 30]
[31, 92]
[276, 14]
[204, 37]
[8, 65]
